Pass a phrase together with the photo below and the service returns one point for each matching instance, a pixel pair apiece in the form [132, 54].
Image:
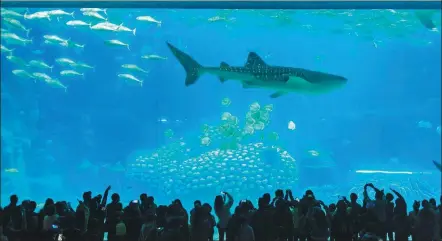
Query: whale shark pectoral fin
[248, 85]
[283, 78]
[277, 94]
[254, 61]
[223, 66]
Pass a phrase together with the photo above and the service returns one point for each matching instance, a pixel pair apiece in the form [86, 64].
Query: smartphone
[135, 201]
[54, 226]
[222, 193]
[297, 199]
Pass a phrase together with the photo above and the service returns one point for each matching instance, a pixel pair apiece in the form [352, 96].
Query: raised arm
[346, 201]
[71, 210]
[104, 200]
[327, 211]
[375, 188]
[366, 197]
[397, 194]
[365, 193]
[290, 195]
[229, 200]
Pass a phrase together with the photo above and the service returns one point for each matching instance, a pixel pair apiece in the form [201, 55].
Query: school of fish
[17, 37]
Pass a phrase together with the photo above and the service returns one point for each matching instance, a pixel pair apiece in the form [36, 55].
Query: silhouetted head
[266, 198]
[115, 197]
[87, 196]
[432, 201]
[150, 200]
[353, 197]
[207, 207]
[98, 198]
[332, 207]
[197, 203]
[425, 203]
[13, 199]
[219, 203]
[178, 203]
[48, 202]
[143, 197]
[309, 195]
[416, 205]
[389, 197]
[279, 193]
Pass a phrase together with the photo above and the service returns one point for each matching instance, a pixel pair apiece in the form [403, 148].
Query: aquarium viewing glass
[186, 103]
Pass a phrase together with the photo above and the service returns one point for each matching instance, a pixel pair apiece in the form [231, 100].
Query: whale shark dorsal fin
[253, 60]
[224, 65]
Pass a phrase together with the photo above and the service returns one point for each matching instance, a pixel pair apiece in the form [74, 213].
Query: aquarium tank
[188, 103]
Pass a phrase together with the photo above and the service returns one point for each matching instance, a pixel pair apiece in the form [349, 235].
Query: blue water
[372, 123]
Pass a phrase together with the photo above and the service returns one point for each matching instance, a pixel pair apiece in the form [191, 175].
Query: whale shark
[256, 73]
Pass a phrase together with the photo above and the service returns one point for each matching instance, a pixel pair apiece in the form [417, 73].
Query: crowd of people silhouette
[281, 218]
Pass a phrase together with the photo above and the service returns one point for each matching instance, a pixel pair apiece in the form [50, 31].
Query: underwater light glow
[389, 172]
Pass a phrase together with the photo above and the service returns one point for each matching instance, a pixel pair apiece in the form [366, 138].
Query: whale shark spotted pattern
[258, 74]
